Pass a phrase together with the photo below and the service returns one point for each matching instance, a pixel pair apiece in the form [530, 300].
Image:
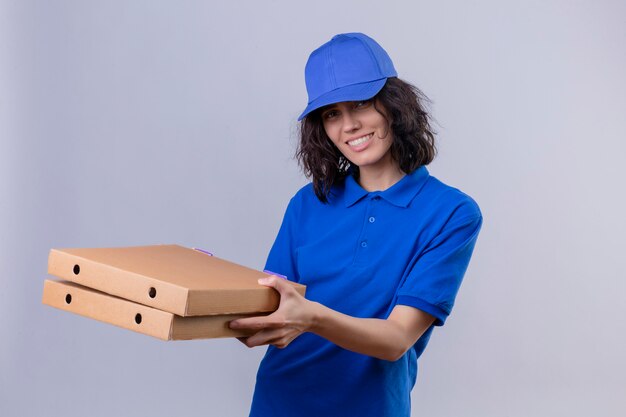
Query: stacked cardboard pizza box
[167, 291]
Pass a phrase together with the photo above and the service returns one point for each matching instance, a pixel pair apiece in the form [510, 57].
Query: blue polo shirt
[362, 254]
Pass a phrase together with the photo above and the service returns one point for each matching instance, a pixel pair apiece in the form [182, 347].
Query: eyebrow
[328, 107]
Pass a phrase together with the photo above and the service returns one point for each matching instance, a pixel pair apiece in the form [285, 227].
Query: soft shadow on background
[145, 122]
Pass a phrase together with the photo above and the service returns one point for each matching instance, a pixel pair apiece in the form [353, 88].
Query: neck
[381, 176]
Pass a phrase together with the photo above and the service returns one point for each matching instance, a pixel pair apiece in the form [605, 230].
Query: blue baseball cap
[349, 67]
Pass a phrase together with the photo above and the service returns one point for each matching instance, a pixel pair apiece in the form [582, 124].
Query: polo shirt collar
[400, 194]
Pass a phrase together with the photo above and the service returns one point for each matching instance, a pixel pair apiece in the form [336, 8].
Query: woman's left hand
[295, 315]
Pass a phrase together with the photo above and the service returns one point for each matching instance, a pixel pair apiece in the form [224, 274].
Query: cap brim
[354, 92]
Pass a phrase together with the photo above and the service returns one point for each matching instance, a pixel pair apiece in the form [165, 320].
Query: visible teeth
[357, 142]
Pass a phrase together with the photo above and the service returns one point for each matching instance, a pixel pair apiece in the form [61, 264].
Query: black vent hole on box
[68, 299]
[152, 292]
[76, 269]
[138, 318]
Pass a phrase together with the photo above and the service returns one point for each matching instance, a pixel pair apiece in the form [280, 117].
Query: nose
[350, 122]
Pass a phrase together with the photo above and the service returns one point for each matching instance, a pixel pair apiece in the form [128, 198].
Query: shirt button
[377, 197]
[364, 244]
[372, 219]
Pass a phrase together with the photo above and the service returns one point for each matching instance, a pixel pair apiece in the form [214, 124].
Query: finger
[258, 339]
[285, 341]
[255, 323]
[268, 337]
[279, 284]
[289, 336]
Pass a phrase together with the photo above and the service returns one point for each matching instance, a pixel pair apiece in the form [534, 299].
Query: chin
[363, 162]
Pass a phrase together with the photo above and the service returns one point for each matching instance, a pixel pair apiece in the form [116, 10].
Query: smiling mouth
[361, 140]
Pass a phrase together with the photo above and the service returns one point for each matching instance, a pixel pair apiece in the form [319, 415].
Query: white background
[145, 122]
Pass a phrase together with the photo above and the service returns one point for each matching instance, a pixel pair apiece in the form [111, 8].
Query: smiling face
[360, 132]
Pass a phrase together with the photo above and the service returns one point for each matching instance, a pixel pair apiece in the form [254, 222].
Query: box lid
[172, 278]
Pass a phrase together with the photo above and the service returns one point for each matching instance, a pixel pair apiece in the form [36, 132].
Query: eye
[330, 114]
[363, 104]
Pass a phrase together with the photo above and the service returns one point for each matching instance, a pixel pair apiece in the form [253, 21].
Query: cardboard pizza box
[106, 308]
[172, 278]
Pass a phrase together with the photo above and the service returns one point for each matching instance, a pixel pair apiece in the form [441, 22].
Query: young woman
[381, 245]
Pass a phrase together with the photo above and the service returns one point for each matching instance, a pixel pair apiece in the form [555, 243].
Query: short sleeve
[435, 278]
[282, 256]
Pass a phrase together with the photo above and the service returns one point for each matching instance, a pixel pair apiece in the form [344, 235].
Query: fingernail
[264, 280]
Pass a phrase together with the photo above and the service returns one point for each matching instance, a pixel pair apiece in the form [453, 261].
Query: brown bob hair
[413, 138]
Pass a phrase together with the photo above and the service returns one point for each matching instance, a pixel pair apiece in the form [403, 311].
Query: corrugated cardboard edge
[202, 327]
[132, 289]
[259, 300]
[170, 297]
[108, 309]
[121, 313]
